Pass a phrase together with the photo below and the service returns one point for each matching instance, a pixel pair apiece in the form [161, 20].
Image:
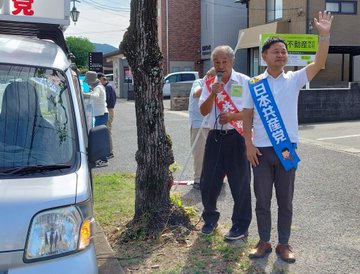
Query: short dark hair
[100, 74]
[272, 40]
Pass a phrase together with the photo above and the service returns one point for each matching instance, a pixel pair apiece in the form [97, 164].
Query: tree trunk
[154, 155]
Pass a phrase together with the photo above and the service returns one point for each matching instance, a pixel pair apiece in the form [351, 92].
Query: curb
[105, 256]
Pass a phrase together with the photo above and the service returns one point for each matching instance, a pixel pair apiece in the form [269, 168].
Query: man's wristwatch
[324, 37]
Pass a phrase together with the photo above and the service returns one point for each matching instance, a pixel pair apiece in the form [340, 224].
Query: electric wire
[106, 7]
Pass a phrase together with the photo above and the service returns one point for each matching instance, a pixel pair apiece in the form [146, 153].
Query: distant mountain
[104, 48]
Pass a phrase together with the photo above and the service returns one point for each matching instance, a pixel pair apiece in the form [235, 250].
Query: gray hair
[225, 49]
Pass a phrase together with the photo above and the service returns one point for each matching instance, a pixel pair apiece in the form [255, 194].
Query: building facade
[179, 35]
[220, 24]
[296, 16]
[190, 30]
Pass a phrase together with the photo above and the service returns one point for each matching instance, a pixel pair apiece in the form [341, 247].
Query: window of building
[346, 7]
[274, 10]
[254, 65]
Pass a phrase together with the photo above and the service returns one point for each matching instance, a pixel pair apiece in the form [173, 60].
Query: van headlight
[57, 232]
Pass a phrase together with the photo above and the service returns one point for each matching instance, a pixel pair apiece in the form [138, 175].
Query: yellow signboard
[301, 47]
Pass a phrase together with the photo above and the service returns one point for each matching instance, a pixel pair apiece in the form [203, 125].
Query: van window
[173, 78]
[110, 77]
[36, 118]
[187, 77]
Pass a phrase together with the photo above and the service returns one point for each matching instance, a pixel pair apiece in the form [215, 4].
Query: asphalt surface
[326, 227]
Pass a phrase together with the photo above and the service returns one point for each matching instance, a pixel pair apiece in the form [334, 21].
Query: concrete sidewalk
[106, 260]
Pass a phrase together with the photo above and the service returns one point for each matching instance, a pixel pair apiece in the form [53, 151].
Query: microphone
[220, 75]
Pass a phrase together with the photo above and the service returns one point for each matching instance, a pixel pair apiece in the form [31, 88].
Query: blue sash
[273, 123]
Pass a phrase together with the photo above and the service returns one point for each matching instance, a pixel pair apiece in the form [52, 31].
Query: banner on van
[36, 11]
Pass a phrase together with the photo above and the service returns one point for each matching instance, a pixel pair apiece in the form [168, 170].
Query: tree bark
[154, 154]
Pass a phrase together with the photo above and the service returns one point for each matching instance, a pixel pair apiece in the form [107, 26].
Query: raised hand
[323, 24]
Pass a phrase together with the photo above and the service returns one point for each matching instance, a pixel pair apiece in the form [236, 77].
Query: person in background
[221, 100]
[97, 95]
[270, 112]
[110, 102]
[199, 128]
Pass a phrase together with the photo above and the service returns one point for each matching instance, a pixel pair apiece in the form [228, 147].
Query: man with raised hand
[270, 110]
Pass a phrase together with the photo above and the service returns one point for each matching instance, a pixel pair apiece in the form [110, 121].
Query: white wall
[220, 24]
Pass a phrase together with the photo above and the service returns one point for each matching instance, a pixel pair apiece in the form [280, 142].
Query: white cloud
[101, 21]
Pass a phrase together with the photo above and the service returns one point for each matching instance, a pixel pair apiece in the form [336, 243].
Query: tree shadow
[212, 254]
[280, 267]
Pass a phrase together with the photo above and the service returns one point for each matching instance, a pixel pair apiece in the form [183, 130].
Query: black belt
[224, 132]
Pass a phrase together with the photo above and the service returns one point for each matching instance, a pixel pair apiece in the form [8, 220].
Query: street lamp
[74, 13]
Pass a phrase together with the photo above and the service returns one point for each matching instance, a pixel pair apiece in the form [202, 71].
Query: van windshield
[36, 122]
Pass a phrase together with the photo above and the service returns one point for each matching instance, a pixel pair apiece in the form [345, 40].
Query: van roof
[182, 72]
[32, 51]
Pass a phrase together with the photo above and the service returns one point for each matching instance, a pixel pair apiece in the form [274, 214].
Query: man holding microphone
[221, 100]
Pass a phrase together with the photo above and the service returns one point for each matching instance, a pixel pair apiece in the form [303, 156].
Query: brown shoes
[285, 252]
[261, 249]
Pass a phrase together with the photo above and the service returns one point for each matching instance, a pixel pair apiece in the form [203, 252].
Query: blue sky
[101, 21]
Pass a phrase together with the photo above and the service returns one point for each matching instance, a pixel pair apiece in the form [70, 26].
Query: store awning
[249, 38]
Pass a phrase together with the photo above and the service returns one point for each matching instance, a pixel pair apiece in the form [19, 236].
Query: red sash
[224, 103]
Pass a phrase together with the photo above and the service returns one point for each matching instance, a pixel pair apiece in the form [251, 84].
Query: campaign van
[47, 150]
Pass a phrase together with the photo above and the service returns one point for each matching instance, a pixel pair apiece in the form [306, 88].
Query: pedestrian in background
[221, 100]
[110, 102]
[270, 109]
[199, 127]
[97, 95]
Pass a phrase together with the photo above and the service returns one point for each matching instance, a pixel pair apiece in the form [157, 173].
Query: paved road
[326, 223]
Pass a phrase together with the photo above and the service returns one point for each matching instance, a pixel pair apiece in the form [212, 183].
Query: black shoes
[111, 155]
[235, 234]
[208, 228]
[101, 163]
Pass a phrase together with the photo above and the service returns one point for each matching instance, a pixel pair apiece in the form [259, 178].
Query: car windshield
[36, 122]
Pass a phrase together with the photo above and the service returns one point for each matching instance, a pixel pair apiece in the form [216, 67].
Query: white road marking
[338, 137]
[335, 147]
[178, 112]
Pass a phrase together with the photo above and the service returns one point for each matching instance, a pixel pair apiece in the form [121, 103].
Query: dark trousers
[267, 174]
[101, 120]
[225, 155]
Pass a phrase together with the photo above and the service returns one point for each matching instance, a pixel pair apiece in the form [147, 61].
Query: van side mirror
[99, 143]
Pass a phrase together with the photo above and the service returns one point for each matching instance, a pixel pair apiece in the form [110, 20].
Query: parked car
[180, 76]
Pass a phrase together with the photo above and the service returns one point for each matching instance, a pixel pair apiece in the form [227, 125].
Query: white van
[46, 153]
[179, 76]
